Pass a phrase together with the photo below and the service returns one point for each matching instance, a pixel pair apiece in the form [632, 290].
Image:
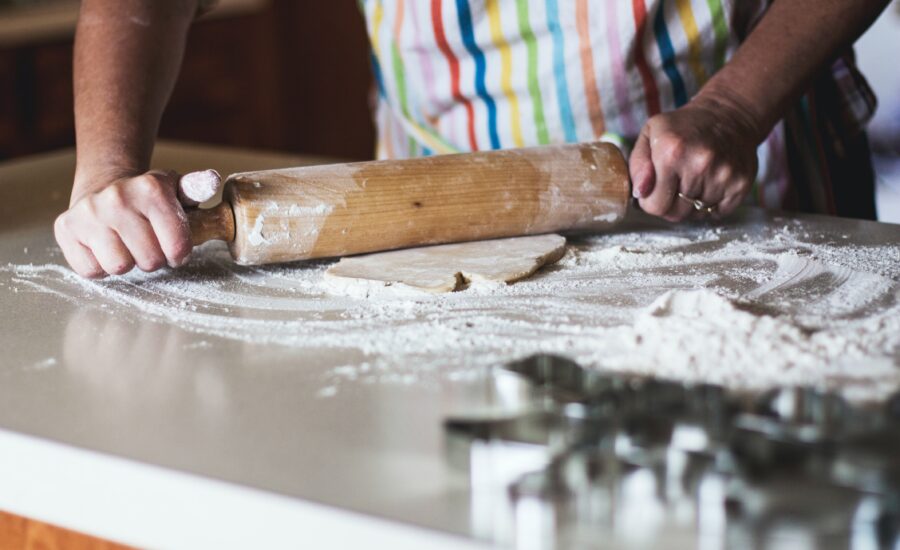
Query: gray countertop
[85, 378]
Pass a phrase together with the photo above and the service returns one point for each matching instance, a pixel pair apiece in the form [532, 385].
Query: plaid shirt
[827, 147]
[857, 100]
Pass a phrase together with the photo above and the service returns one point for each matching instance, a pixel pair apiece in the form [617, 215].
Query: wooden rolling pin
[343, 209]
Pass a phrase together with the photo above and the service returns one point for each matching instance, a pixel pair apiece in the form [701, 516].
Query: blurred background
[268, 74]
[877, 54]
[294, 76]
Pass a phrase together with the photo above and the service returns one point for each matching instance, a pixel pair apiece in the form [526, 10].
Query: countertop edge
[149, 506]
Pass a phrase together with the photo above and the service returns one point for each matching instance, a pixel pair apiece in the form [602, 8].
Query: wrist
[91, 177]
[728, 103]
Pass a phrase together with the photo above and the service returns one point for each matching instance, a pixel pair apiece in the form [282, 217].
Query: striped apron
[466, 75]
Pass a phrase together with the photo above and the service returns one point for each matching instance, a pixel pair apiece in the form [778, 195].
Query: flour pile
[691, 303]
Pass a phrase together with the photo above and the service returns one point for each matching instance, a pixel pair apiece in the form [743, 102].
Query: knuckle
[62, 224]
[87, 208]
[702, 159]
[673, 148]
[114, 197]
[144, 183]
[149, 187]
[725, 173]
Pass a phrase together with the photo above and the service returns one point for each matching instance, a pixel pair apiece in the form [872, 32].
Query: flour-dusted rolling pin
[342, 209]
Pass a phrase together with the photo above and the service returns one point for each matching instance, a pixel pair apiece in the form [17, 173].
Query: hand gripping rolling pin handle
[212, 224]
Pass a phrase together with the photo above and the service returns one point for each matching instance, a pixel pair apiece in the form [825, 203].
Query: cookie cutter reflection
[581, 458]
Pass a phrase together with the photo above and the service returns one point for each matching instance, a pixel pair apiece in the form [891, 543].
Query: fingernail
[635, 193]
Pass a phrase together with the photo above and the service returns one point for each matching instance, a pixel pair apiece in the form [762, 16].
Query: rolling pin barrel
[342, 209]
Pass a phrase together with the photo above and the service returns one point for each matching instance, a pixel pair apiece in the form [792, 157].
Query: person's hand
[705, 150]
[129, 221]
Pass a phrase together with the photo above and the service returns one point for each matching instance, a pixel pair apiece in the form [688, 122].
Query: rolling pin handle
[211, 224]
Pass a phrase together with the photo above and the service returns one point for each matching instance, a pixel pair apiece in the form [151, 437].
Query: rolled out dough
[445, 268]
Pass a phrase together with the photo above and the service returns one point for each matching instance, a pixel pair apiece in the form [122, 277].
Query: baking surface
[262, 377]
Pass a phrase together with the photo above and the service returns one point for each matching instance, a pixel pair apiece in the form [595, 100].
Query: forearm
[792, 43]
[127, 57]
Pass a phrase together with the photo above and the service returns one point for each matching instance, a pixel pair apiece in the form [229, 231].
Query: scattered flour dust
[44, 364]
[691, 303]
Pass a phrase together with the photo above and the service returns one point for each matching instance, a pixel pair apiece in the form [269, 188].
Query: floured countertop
[781, 305]
[269, 378]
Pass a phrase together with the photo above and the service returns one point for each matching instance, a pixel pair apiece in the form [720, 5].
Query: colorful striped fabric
[462, 75]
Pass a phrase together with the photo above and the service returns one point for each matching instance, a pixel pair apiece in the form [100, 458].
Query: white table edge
[153, 507]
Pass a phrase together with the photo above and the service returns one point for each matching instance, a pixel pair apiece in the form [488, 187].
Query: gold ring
[699, 205]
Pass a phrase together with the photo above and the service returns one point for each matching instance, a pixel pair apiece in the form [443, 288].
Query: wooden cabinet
[325, 73]
[284, 75]
[227, 91]
[17, 533]
[36, 104]
[9, 114]
[51, 111]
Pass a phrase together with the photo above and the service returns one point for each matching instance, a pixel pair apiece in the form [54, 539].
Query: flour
[296, 211]
[705, 336]
[297, 225]
[256, 237]
[694, 303]
[44, 364]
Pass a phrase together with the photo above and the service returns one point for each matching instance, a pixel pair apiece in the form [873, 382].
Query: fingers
[136, 221]
[691, 154]
[732, 201]
[111, 253]
[140, 240]
[665, 153]
[167, 218]
[171, 228]
[727, 206]
[696, 184]
[641, 166]
[718, 179]
[77, 255]
[680, 210]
